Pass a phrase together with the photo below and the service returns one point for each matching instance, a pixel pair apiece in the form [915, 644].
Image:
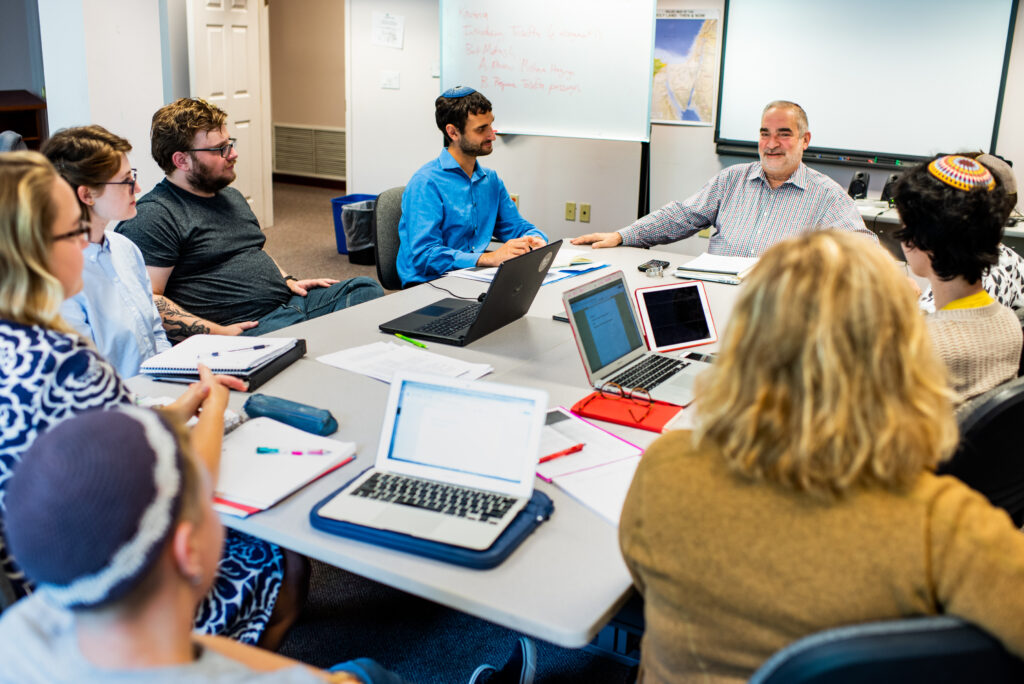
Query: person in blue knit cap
[111, 515]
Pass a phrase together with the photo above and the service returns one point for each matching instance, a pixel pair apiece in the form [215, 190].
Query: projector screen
[893, 80]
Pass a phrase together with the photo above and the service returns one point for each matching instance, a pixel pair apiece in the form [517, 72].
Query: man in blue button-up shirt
[452, 206]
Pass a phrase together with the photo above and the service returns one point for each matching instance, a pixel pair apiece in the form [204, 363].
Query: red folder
[618, 411]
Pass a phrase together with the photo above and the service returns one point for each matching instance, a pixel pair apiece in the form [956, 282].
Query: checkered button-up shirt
[747, 215]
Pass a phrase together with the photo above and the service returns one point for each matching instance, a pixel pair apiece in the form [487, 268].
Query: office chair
[925, 649]
[988, 457]
[11, 141]
[1020, 368]
[7, 596]
[386, 215]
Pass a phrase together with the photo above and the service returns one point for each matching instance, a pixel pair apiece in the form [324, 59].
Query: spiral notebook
[223, 354]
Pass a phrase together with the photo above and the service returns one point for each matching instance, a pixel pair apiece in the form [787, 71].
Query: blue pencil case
[303, 416]
[538, 510]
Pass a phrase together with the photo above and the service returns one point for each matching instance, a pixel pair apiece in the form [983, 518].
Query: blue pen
[228, 351]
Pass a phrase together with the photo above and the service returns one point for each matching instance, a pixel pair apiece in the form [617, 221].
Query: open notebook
[263, 461]
[599, 474]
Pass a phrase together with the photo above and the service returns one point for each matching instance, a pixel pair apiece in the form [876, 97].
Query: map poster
[685, 67]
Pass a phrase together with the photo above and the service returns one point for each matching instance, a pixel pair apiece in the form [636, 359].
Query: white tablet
[675, 316]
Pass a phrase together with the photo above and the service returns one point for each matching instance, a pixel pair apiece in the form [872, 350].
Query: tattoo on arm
[178, 323]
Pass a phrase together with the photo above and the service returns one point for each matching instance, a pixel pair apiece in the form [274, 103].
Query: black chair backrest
[386, 215]
[925, 649]
[1020, 368]
[7, 596]
[989, 457]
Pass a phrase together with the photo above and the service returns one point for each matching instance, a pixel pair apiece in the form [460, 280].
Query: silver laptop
[455, 464]
[612, 346]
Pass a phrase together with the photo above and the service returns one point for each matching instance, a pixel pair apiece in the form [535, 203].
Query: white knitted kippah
[93, 502]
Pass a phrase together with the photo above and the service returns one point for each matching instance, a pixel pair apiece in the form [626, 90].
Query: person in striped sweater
[952, 211]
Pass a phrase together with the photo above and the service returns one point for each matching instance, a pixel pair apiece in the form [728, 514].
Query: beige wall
[547, 172]
[307, 62]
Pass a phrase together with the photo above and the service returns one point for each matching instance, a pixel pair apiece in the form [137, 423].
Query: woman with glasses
[805, 498]
[48, 373]
[115, 308]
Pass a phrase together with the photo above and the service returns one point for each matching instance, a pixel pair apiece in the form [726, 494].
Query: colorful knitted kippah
[457, 91]
[962, 173]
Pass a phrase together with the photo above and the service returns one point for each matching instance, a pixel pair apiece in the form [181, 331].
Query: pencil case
[303, 416]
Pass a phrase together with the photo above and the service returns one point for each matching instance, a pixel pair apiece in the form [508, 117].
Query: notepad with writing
[263, 461]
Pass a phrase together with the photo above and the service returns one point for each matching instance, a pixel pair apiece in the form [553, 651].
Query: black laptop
[459, 322]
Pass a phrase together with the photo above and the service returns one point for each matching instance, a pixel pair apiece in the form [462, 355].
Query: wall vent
[316, 151]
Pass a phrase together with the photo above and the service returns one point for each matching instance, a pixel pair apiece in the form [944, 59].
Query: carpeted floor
[348, 616]
[302, 237]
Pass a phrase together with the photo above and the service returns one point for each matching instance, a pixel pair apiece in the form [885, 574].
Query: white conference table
[567, 579]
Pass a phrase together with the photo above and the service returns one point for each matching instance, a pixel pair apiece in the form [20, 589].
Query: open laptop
[459, 322]
[455, 464]
[612, 347]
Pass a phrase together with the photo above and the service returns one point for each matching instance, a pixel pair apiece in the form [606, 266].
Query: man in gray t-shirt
[203, 245]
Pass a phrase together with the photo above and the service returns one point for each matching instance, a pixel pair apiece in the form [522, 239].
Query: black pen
[228, 351]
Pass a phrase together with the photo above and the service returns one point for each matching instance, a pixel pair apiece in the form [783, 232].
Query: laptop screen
[676, 315]
[605, 323]
[469, 435]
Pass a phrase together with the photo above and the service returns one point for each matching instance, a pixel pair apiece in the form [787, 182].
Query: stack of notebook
[717, 269]
[252, 359]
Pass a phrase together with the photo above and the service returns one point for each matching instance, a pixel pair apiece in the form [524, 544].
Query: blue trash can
[336, 204]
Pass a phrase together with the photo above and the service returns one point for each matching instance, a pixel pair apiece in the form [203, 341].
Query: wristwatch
[290, 277]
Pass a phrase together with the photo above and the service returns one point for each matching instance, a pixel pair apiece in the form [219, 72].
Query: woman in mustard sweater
[804, 498]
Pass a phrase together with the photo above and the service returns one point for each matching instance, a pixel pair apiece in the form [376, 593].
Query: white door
[228, 69]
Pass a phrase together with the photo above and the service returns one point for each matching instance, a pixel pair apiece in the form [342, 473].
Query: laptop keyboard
[453, 322]
[471, 504]
[650, 372]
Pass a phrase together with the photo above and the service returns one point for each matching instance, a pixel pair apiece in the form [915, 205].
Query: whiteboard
[569, 68]
[905, 78]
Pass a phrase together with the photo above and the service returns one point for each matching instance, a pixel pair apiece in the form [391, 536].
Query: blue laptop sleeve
[536, 511]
